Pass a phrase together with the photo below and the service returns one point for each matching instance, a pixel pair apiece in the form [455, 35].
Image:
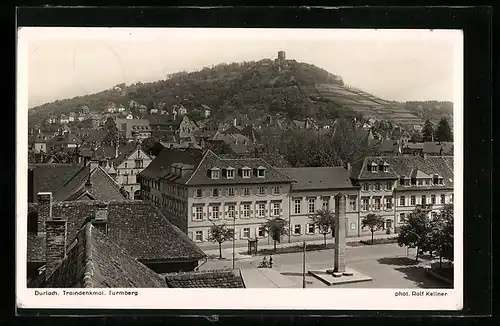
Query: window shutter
[191, 236]
[257, 232]
[204, 212]
[194, 213]
[241, 233]
[281, 207]
[307, 228]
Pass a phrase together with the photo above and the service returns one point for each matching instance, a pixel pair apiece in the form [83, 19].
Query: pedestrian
[270, 261]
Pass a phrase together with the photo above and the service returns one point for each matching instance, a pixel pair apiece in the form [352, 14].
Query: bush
[379, 241]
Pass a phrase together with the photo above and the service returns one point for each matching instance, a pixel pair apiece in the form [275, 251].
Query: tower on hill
[281, 56]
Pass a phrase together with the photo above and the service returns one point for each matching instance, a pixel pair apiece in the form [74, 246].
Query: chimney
[424, 155]
[100, 220]
[85, 160]
[116, 151]
[347, 166]
[55, 243]
[234, 122]
[93, 165]
[44, 209]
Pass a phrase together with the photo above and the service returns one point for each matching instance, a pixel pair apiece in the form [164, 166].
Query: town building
[136, 226]
[206, 110]
[394, 186]
[127, 164]
[195, 190]
[314, 189]
[133, 128]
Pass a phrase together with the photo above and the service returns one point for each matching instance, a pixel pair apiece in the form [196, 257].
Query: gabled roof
[103, 186]
[405, 165]
[310, 178]
[51, 177]
[201, 177]
[166, 157]
[205, 279]
[97, 262]
[125, 152]
[137, 226]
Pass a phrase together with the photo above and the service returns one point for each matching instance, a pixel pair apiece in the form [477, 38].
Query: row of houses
[195, 188]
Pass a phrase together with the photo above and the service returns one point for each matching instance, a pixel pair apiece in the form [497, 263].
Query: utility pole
[304, 266]
[234, 234]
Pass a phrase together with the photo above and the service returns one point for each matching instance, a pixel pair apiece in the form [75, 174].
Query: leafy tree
[416, 138]
[149, 145]
[415, 232]
[220, 234]
[324, 220]
[372, 221]
[276, 228]
[441, 235]
[443, 131]
[428, 131]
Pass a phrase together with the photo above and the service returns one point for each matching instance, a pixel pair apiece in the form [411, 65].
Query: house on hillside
[71, 116]
[206, 110]
[153, 111]
[85, 109]
[63, 119]
[120, 108]
[133, 128]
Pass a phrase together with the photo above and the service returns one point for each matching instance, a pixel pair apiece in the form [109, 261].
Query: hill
[254, 88]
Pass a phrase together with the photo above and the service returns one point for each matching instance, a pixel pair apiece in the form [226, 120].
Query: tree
[428, 131]
[276, 228]
[150, 146]
[324, 220]
[415, 232]
[112, 136]
[441, 235]
[220, 234]
[443, 131]
[416, 138]
[372, 221]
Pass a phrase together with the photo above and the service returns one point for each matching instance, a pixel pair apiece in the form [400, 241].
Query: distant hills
[255, 88]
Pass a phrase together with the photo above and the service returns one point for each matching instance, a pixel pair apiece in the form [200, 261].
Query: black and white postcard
[196, 168]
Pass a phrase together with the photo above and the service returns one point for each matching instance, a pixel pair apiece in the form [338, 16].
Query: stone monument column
[340, 242]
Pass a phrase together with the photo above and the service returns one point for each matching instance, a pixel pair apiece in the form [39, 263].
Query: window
[451, 198]
[312, 205]
[401, 218]
[262, 210]
[261, 173]
[198, 193]
[326, 203]
[388, 202]
[246, 191]
[199, 213]
[385, 168]
[262, 190]
[198, 236]
[352, 202]
[296, 229]
[443, 199]
[215, 174]
[215, 212]
[138, 164]
[413, 201]
[377, 186]
[424, 200]
[311, 228]
[401, 200]
[230, 192]
[376, 203]
[246, 232]
[230, 211]
[33, 222]
[261, 232]
[246, 173]
[276, 209]
[420, 182]
[365, 204]
[388, 186]
[276, 190]
[215, 192]
[433, 199]
[230, 174]
[296, 206]
[366, 187]
[246, 210]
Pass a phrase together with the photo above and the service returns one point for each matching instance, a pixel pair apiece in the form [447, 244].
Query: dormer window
[385, 167]
[230, 173]
[261, 172]
[215, 173]
[245, 172]
[372, 167]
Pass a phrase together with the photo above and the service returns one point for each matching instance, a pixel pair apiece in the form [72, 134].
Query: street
[387, 264]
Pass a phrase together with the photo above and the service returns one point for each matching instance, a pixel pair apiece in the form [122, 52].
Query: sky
[395, 65]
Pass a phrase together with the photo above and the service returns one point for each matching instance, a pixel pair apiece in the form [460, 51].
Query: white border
[194, 299]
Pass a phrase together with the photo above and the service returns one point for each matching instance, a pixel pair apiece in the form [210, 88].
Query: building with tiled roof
[129, 127]
[48, 178]
[91, 182]
[137, 226]
[314, 188]
[393, 186]
[94, 261]
[224, 278]
[196, 191]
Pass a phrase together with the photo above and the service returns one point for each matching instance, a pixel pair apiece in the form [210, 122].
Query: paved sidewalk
[241, 250]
